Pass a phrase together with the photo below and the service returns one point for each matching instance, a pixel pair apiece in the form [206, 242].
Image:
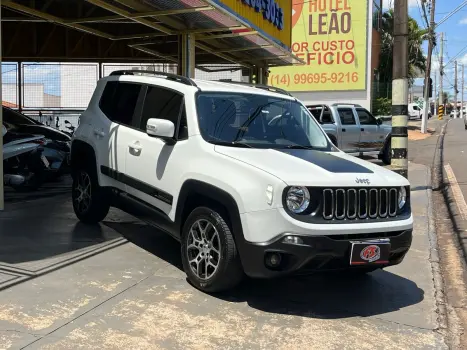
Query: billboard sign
[331, 37]
[269, 17]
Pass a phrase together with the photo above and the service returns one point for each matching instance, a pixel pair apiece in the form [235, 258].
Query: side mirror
[161, 128]
[379, 121]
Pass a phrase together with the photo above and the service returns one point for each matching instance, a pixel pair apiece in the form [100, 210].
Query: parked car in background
[353, 129]
[57, 143]
[415, 112]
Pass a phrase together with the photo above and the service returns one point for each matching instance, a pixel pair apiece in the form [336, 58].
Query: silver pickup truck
[353, 129]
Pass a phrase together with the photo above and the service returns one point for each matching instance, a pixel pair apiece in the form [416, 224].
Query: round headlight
[402, 197]
[298, 199]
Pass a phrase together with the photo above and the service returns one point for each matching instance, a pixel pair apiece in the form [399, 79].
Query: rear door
[350, 130]
[118, 104]
[372, 135]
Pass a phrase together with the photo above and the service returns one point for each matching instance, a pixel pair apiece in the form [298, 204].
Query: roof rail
[168, 76]
[258, 86]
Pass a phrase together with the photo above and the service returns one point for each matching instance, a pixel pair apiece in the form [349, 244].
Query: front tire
[209, 253]
[89, 201]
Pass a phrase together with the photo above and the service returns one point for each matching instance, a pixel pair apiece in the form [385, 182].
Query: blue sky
[43, 73]
[455, 34]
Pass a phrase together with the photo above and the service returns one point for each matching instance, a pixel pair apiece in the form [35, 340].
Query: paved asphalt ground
[119, 285]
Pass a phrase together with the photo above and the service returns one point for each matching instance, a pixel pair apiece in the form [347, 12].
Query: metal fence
[54, 92]
[33, 86]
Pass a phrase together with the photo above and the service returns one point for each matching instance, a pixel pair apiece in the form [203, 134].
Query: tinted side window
[347, 117]
[118, 101]
[161, 104]
[365, 117]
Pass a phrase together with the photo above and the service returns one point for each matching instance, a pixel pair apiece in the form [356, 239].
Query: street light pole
[431, 33]
[400, 89]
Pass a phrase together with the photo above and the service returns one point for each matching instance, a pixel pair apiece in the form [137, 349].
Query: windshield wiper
[298, 147]
[232, 144]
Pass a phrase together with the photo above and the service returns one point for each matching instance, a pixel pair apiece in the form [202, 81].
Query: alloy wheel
[203, 249]
[82, 195]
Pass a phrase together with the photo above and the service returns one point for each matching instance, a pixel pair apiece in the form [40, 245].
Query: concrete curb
[436, 184]
[438, 281]
[442, 184]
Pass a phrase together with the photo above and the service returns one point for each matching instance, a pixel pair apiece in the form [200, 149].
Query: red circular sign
[297, 8]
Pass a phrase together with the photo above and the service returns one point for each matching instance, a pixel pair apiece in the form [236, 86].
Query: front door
[350, 130]
[153, 166]
[372, 137]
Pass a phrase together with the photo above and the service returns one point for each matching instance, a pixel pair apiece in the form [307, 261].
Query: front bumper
[317, 253]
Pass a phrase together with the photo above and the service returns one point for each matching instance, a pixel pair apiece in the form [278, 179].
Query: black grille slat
[373, 203]
[359, 203]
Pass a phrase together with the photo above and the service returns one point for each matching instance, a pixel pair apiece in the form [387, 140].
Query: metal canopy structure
[134, 31]
[188, 33]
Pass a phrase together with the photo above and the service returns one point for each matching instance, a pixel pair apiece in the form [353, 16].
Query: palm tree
[417, 61]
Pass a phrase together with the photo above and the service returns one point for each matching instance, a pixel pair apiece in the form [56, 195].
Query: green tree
[417, 60]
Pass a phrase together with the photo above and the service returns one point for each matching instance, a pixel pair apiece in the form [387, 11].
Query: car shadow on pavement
[329, 295]
[150, 239]
[323, 295]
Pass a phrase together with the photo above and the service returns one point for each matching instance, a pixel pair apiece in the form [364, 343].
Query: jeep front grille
[359, 203]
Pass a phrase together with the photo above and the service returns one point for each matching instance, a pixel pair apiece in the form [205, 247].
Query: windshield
[257, 121]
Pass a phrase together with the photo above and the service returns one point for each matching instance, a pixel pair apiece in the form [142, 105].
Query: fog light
[273, 259]
[292, 240]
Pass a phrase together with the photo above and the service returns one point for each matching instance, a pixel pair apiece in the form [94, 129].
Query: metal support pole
[441, 92]
[400, 90]
[2, 202]
[186, 55]
[20, 86]
[101, 72]
[455, 90]
[428, 69]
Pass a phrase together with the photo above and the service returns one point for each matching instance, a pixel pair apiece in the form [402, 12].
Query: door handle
[136, 146]
[343, 130]
[98, 132]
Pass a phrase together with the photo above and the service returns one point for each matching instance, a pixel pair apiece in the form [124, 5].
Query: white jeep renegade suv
[242, 175]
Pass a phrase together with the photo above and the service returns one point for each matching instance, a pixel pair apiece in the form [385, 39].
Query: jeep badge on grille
[362, 181]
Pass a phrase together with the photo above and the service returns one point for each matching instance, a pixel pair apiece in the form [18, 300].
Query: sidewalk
[121, 286]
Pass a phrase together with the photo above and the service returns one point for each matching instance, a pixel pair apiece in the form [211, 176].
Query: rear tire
[386, 156]
[89, 199]
[209, 253]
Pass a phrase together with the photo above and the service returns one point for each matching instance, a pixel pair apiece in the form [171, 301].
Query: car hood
[315, 168]
[45, 130]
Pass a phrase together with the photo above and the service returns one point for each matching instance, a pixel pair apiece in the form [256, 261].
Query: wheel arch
[82, 153]
[195, 193]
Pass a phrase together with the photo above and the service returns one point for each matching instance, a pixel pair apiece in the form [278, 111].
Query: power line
[457, 9]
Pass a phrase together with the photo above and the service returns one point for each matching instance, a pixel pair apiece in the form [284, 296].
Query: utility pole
[435, 94]
[462, 93]
[400, 89]
[455, 90]
[441, 68]
[431, 33]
